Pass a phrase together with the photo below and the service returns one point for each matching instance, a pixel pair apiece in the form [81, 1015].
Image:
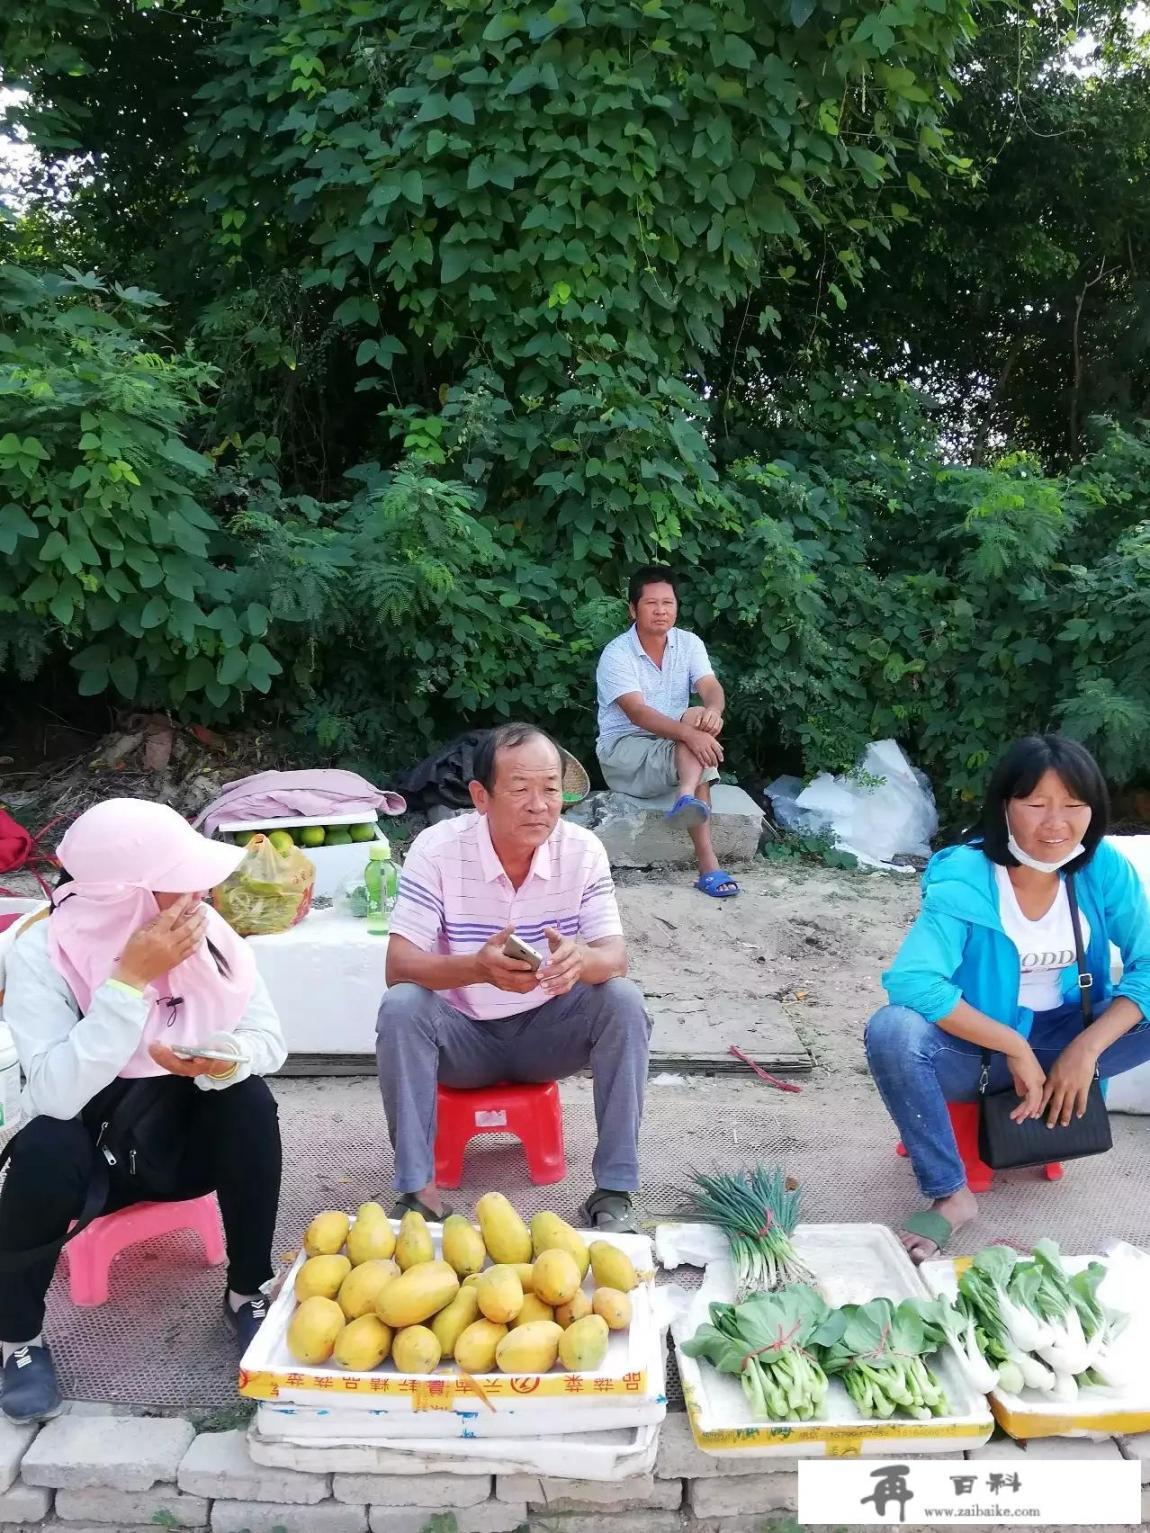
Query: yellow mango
[371, 1211]
[500, 1294]
[526, 1274]
[371, 1238]
[463, 1246]
[567, 1314]
[550, 1233]
[414, 1243]
[471, 1279]
[506, 1237]
[363, 1285]
[363, 1345]
[475, 1346]
[583, 1345]
[415, 1349]
[530, 1348]
[314, 1329]
[556, 1277]
[533, 1309]
[322, 1276]
[454, 1319]
[326, 1233]
[417, 1294]
[614, 1307]
[612, 1267]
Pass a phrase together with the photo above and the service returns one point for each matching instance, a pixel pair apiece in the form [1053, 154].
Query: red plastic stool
[532, 1113]
[979, 1176]
[93, 1251]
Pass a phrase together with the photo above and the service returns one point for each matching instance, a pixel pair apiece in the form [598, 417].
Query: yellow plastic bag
[268, 892]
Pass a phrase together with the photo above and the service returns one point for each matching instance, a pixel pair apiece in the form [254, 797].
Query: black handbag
[139, 1132]
[1005, 1145]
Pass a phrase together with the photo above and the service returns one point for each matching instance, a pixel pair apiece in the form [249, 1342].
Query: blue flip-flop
[689, 811]
[714, 883]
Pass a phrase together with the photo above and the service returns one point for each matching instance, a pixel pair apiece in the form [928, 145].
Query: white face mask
[1028, 861]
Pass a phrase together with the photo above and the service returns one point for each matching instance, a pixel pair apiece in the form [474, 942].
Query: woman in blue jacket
[990, 964]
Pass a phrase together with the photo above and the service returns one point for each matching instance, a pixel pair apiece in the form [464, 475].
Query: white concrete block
[218, 1464]
[635, 833]
[1047, 1448]
[163, 1505]
[118, 1452]
[743, 1493]
[487, 1517]
[680, 1457]
[1137, 1448]
[440, 1492]
[14, 1443]
[24, 1504]
[604, 1521]
[641, 1493]
[270, 1517]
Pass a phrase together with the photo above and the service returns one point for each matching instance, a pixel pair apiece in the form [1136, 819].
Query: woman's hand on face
[1029, 1079]
[174, 1065]
[173, 936]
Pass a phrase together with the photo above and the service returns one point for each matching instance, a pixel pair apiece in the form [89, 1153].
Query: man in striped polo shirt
[459, 1011]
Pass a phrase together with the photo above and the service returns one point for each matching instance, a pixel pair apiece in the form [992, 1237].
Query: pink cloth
[454, 896]
[117, 853]
[305, 794]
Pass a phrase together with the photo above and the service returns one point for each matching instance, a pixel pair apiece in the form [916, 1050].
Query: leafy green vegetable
[770, 1342]
[759, 1213]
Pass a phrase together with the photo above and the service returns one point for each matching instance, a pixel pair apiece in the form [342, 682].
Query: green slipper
[408, 1202]
[932, 1226]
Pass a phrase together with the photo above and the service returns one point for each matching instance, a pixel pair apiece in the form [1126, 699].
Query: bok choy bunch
[758, 1212]
[770, 1342]
[880, 1358]
[1038, 1326]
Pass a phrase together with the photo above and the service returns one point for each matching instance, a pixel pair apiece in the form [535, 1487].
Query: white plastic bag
[896, 817]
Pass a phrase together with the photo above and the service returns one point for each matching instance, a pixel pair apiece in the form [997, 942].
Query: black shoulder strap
[1085, 978]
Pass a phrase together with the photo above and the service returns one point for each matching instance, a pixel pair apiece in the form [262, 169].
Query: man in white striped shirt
[459, 1011]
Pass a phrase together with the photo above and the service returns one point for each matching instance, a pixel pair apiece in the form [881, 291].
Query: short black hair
[650, 575]
[505, 736]
[1018, 773]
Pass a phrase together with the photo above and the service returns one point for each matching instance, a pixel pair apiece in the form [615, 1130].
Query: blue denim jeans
[918, 1069]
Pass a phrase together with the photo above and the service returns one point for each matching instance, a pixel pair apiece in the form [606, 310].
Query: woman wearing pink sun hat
[130, 967]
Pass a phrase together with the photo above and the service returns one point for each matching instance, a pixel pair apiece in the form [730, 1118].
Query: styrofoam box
[1096, 1413]
[335, 866]
[862, 1262]
[626, 1390]
[599, 1455]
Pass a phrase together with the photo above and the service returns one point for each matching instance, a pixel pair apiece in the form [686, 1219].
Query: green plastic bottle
[381, 880]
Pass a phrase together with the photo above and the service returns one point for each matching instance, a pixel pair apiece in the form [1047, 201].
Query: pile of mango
[365, 1295]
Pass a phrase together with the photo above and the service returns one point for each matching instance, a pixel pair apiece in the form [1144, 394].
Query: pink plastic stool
[93, 1251]
[532, 1113]
[979, 1176]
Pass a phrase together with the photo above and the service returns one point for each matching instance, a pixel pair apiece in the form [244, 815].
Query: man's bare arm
[644, 717]
[604, 959]
[410, 965]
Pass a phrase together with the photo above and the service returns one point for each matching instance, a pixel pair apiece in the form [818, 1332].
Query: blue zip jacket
[957, 948]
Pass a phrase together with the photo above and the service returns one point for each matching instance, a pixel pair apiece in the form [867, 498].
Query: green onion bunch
[758, 1213]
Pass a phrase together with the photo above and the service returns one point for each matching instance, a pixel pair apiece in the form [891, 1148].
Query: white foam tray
[1097, 1413]
[852, 1263]
[279, 1439]
[444, 1403]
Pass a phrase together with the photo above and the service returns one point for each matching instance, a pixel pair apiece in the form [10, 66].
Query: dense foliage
[351, 351]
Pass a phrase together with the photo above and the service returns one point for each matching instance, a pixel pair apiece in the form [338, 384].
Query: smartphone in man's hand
[515, 947]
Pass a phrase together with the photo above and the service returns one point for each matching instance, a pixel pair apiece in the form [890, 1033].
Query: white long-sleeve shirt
[67, 1057]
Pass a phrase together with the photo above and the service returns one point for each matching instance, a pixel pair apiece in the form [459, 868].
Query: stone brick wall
[88, 1472]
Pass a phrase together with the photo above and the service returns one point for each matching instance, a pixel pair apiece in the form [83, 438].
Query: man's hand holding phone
[498, 968]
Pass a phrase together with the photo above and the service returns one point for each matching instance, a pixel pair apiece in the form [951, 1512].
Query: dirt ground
[795, 961]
